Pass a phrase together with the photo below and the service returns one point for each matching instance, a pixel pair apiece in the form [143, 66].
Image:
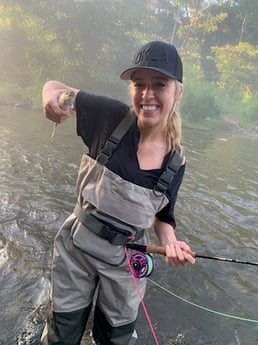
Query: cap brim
[127, 74]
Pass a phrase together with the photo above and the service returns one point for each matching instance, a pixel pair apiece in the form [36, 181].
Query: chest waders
[110, 211]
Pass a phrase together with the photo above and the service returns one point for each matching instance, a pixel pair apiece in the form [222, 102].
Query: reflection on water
[216, 213]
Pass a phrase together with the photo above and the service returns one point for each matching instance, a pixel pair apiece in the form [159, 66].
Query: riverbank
[232, 126]
[229, 126]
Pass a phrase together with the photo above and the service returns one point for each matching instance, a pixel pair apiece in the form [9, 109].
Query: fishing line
[201, 307]
[141, 298]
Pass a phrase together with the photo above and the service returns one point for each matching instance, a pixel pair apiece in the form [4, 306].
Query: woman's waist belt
[111, 233]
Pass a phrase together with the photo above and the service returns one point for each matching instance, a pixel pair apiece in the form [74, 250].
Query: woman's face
[153, 96]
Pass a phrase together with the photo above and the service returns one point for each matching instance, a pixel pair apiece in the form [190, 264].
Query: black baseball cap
[157, 56]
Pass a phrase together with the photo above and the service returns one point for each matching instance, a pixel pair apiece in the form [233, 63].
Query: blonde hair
[174, 122]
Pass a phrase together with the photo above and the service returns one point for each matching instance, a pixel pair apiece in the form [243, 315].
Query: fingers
[179, 254]
[55, 113]
[52, 109]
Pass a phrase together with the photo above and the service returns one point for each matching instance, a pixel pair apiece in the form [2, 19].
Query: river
[210, 303]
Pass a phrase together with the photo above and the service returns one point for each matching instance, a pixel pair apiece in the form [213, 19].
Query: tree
[83, 42]
[88, 42]
[237, 66]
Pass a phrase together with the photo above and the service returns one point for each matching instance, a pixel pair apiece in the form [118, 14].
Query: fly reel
[142, 264]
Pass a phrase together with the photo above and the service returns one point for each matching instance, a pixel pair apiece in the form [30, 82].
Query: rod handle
[151, 249]
[156, 250]
[161, 250]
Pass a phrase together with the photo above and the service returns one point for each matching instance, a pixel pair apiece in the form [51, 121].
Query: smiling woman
[156, 74]
[155, 100]
[127, 183]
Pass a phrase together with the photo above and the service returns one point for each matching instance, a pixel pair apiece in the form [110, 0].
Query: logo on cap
[145, 55]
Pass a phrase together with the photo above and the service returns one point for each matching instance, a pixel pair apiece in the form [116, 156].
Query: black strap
[174, 163]
[115, 138]
[114, 235]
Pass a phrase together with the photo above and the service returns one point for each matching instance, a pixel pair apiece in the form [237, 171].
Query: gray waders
[89, 256]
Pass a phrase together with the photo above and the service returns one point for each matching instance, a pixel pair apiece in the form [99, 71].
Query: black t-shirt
[97, 117]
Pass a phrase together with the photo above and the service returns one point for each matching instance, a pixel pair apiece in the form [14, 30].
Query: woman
[120, 195]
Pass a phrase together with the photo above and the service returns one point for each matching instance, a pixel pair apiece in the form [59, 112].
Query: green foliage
[200, 102]
[11, 93]
[14, 95]
[86, 43]
[237, 66]
[241, 23]
[251, 110]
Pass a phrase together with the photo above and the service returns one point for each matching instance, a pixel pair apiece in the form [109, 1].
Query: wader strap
[114, 235]
[174, 163]
[115, 138]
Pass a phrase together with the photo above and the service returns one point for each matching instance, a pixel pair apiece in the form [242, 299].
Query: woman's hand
[178, 253]
[51, 93]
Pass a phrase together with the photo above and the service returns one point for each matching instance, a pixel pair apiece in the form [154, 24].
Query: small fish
[66, 102]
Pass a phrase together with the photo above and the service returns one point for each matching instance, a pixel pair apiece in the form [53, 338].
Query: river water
[211, 303]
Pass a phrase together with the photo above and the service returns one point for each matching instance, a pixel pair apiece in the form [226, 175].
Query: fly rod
[162, 251]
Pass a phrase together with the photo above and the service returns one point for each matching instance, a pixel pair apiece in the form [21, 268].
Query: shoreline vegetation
[208, 38]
